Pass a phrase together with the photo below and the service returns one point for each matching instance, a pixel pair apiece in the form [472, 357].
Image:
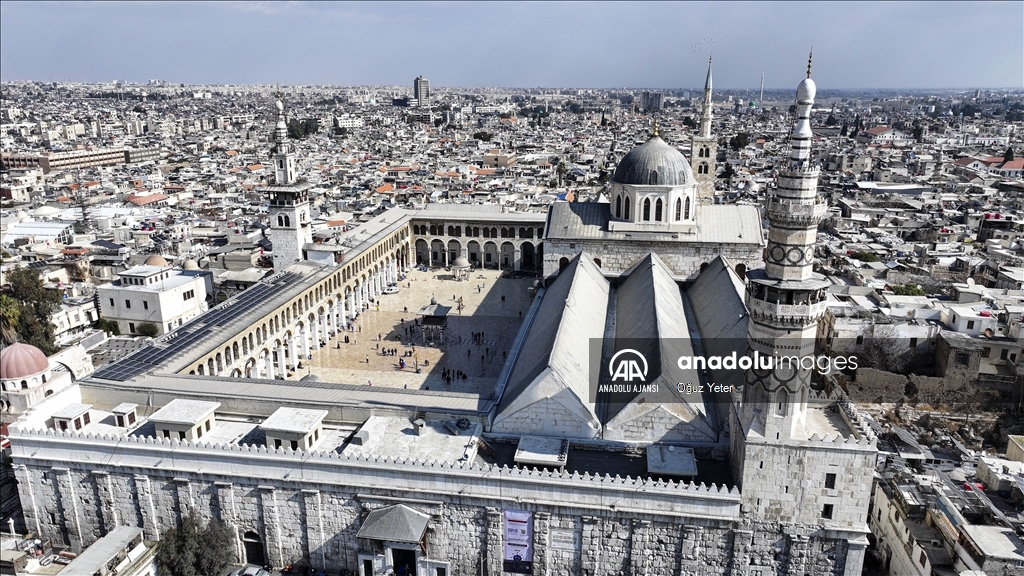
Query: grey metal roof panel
[398, 523]
[716, 224]
[655, 155]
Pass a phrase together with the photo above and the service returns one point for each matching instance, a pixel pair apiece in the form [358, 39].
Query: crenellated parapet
[47, 447]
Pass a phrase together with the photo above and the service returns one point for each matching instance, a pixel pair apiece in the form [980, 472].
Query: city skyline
[518, 45]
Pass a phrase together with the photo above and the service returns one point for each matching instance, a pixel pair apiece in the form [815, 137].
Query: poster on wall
[518, 557]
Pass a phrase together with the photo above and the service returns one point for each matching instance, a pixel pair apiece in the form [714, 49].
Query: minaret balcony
[795, 212]
[799, 314]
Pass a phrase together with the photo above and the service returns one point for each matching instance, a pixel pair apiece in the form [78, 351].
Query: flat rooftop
[398, 438]
[296, 420]
[181, 411]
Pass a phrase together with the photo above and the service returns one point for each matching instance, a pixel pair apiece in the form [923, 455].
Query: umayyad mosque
[486, 451]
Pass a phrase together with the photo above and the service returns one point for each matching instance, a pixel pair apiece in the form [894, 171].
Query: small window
[316, 434]
[441, 571]
[913, 342]
[826, 511]
[111, 301]
[860, 339]
[181, 434]
[985, 352]
[277, 442]
[962, 359]
[120, 421]
[78, 423]
[86, 419]
[830, 481]
[131, 418]
[1004, 354]
[62, 424]
[145, 305]
[295, 444]
[131, 327]
[970, 324]
[199, 432]
[207, 425]
[128, 304]
[167, 433]
[922, 559]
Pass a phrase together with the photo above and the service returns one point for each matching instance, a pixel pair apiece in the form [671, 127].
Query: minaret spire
[705, 116]
[810, 57]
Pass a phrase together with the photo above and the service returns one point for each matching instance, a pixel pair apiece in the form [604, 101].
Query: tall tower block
[290, 217]
[803, 458]
[704, 149]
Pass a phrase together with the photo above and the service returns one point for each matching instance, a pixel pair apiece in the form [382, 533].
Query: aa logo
[628, 365]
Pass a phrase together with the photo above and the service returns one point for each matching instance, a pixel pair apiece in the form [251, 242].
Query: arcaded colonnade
[281, 339]
[499, 243]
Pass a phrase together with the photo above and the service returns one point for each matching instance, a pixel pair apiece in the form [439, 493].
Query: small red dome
[22, 360]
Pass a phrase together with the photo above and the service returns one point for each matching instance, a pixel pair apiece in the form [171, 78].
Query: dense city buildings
[475, 331]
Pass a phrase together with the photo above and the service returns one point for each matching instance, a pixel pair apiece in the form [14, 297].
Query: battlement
[47, 447]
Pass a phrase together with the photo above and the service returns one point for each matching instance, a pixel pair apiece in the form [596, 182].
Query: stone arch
[563, 263]
[422, 252]
[209, 366]
[625, 208]
[598, 262]
[201, 370]
[490, 254]
[473, 248]
[703, 266]
[658, 205]
[508, 255]
[679, 209]
[686, 209]
[220, 362]
[741, 270]
[618, 205]
[437, 252]
[454, 250]
[646, 210]
[653, 179]
[529, 255]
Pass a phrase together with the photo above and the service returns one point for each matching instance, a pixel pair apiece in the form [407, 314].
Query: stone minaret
[786, 298]
[289, 202]
[802, 458]
[704, 149]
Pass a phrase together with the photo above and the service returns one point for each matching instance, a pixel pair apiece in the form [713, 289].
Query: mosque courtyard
[491, 307]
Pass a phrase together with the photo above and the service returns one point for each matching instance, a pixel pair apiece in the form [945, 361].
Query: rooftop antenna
[761, 99]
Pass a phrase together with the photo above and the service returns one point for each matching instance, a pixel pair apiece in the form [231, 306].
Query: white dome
[806, 90]
[279, 105]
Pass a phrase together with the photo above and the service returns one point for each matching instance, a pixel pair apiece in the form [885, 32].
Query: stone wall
[309, 507]
[684, 259]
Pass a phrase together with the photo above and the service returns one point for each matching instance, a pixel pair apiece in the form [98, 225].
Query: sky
[911, 45]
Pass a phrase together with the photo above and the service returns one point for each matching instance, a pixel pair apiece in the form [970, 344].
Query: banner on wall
[518, 557]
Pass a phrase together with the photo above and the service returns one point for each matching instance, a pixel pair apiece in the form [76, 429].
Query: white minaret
[792, 464]
[290, 212]
[704, 149]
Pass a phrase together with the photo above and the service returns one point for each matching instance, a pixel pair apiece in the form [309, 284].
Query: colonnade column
[314, 333]
[292, 361]
[352, 305]
[282, 367]
[304, 335]
[324, 328]
[269, 360]
[334, 318]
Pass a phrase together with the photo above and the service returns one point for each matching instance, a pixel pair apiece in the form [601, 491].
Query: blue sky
[523, 44]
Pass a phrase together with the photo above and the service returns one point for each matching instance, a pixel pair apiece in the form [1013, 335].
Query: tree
[195, 550]
[864, 256]
[907, 290]
[728, 173]
[9, 313]
[1008, 156]
[483, 136]
[831, 120]
[689, 122]
[845, 131]
[883, 349]
[739, 141]
[148, 329]
[111, 327]
[36, 303]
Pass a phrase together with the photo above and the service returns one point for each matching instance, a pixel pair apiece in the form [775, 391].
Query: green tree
[483, 136]
[36, 303]
[689, 122]
[864, 256]
[9, 313]
[195, 550]
[739, 141]
[831, 120]
[1008, 156]
[844, 131]
[148, 329]
[111, 327]
[728, 173]
[907, 290]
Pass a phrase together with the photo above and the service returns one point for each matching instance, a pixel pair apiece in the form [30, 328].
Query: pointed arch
[618, 205]
[686, 209]
[647, 210]
[625, 209]
[658, 210]
[679, 209]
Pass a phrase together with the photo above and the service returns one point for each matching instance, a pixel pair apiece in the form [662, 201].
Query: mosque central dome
[654, 163]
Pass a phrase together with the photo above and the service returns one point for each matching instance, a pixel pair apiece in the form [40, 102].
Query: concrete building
[421, 91]
[154, 293]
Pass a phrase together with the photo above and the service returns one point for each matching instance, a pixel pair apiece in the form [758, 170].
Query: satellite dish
[970, 281]
[989, 333]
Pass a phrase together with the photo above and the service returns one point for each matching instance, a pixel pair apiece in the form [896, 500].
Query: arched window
[287, 220]
[654, 178]
[451, 230]
[703, 168]
[625, 209]
[686, 209]
[657, 210]
[679, 209]
[280, 220]
[618, 206]
[647, 209]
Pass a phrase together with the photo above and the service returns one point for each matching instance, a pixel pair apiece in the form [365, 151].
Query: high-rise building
[651, 101]
[421, 91]
[704, 149]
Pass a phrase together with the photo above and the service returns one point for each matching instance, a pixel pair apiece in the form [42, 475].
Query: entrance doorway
[254, 553]
[404, 562]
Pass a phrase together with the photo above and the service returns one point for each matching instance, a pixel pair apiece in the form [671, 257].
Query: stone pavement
[360, 360]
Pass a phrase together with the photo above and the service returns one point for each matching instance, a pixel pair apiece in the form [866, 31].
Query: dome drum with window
[653, 188]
